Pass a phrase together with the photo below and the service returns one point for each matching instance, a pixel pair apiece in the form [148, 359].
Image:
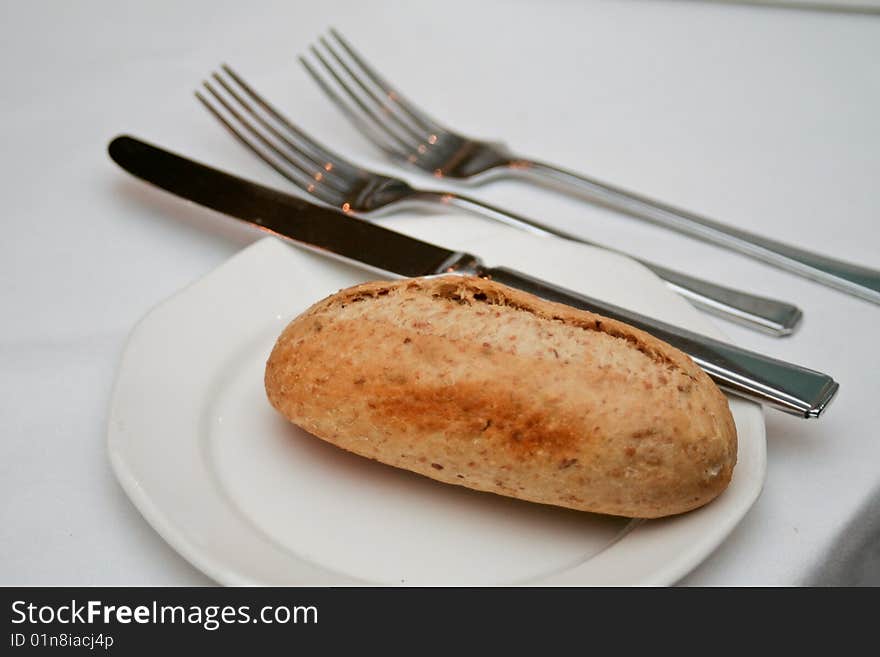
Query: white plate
[248, 498]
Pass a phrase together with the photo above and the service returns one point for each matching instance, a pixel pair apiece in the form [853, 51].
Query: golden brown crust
[474, 383]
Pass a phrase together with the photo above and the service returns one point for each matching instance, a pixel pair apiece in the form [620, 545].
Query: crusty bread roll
[470, 382]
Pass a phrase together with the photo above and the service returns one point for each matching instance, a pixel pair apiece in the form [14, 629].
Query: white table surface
[763, 117]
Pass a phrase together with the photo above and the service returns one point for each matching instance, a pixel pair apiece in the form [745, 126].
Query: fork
[337, 182]
[405, 132]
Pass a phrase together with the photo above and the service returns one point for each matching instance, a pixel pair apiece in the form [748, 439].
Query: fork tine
[418, 134]
[366, 127]
[292, 171]
[319, 154]
[402, 145]
[259, 152]
[321, 168]
[251, 129]
[415, 114]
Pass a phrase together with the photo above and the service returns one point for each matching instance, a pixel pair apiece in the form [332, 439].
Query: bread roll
[473, 383]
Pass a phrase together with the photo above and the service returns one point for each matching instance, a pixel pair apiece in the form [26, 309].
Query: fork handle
[853, 279]
[768, 315]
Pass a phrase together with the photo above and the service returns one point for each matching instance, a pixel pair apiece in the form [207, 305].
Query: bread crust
[477, 384]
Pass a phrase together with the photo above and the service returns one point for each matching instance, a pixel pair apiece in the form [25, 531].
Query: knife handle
[784, 386]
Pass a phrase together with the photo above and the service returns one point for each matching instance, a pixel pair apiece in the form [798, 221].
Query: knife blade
[784, 386]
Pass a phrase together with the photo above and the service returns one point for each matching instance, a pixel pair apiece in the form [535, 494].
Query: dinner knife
[784, 386]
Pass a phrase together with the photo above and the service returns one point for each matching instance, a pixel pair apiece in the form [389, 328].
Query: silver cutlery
[339, 183]
[406, 133]
[784, 386]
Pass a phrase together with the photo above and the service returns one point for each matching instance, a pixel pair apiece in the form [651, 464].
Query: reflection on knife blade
[784, 386]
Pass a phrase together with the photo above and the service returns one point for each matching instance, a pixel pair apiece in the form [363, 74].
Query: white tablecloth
[762, 117]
